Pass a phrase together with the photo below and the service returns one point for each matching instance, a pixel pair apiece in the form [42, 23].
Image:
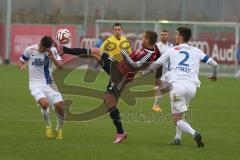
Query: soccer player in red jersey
[120, 73]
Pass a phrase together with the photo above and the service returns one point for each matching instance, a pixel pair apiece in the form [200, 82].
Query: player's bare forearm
[158, 73]
[21, 65]
[151, 68]
[58, 64]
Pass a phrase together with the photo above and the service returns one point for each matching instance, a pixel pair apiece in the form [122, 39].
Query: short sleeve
[203, 57]
[164, 59]
[128, 45]
[102, 48]
[26, 55]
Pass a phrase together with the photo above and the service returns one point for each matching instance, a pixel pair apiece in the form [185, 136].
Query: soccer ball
[63, 36]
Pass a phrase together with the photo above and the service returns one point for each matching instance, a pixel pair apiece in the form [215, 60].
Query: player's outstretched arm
[135, 66]
[131, 64]
[151, 68]
[155, 65]
[214, 65]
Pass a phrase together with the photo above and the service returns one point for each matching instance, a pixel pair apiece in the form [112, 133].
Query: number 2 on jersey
[183, 62]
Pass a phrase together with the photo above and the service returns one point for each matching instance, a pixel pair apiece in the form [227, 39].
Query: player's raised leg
[87, 53]
[83, 52]
[43, 102]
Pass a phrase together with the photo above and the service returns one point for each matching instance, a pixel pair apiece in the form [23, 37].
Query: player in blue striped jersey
[40, 59]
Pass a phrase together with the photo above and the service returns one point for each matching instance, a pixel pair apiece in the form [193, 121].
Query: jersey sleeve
[136, 66]
[164, 59]
[129, 50]
[55, 54]
[26, 55]
[158, 63]
[203, 57]
[102, 48]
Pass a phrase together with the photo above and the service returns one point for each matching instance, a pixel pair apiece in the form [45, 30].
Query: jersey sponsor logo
[38, 62]
[110, 46]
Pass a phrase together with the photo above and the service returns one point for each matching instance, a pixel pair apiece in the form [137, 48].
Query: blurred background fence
[22, 23]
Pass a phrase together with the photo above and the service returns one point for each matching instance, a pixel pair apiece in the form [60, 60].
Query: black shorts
[117, 81]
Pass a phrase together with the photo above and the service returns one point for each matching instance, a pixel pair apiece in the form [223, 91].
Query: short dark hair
[185, 32]
[117, 24]
[152, 36]
[46, 41]
[164, 30]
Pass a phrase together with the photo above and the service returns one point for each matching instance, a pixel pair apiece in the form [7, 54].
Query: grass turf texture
[214, 111]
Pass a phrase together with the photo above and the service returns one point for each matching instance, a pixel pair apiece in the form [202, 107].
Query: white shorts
[181, 94]
[50, 92]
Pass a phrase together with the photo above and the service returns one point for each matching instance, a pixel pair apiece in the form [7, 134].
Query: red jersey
[136, 61]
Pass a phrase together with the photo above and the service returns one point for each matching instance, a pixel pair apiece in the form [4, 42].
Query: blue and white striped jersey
[39, 65]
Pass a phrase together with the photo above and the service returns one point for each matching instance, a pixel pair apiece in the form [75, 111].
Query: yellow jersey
[112, 46]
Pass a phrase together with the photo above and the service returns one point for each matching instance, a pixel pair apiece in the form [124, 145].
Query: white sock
[46, 116]
[60, 120]
[157, 99]
[185, 127]
[178, 133]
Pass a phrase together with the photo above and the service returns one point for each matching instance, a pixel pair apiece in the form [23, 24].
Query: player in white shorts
[40, 59]
[183, 78]
[162, 46]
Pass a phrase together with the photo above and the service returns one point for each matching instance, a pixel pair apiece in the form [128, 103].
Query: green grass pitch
[214, 111]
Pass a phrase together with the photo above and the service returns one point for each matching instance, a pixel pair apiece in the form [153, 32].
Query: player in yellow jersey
[115, 43]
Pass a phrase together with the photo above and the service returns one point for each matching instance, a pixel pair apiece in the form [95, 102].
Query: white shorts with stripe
[181, 94]
[49, 91]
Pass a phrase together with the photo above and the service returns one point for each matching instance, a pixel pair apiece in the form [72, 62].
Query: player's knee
[43, 102]
[177, 117]
[109, 101]
[95, 52]
[59, 109]
[59, 106]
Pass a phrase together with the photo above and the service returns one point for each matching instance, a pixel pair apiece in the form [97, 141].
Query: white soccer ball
[63, 36]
